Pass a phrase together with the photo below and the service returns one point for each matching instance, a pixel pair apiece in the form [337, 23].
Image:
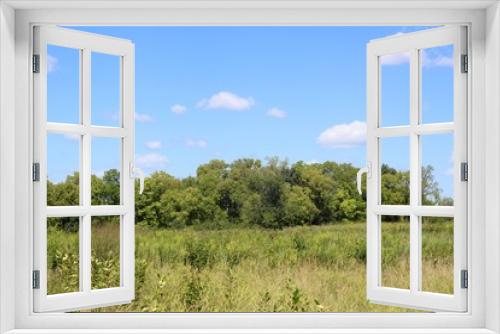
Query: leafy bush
[198, 254]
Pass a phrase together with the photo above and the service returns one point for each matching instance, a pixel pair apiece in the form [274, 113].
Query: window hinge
[464, 279]
[36, 279]
[464, 171]
[465, 64]
[36, 171]
[36, 63]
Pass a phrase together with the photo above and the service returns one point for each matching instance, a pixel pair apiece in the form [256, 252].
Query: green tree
[106, 190]
[431, 192]
[64, 193]
[395, 186]
[274, 194]
[148, 204]
[298, 208]
[186, 207]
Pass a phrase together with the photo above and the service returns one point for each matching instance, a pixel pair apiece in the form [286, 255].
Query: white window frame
[16, 20]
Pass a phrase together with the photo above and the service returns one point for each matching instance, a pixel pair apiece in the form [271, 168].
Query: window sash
[414, 297]
[86, 43]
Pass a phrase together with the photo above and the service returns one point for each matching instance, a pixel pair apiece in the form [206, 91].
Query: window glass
[63, 84]
[437, 169]
[395, 170]
[106, 89]
[63, 261]
[395, 89]
[63, 179]
[437, 84]
[395, 255]
[437, 254]
[105, 252]
[106, 170]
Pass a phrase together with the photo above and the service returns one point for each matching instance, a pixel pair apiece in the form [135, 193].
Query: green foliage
[298, 208]
[106, 190]
[63, 267]
[105, 271]
[395, 186]
[62, 256]
[248, 192]
[193, 293]
[197, 254]
[64, 193]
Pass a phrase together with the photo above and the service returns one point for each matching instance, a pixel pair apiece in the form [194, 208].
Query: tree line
[271, 194]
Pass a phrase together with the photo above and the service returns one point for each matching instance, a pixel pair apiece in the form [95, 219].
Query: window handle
[137, 173]
[359, 176]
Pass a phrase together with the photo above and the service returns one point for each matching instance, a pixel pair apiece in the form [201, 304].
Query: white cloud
[226, 100]
[72, 136]
[178, 109]
[154, 144]
[143, 118]
[52, 63]
[198, 143]
[443, 61]
[429, 59]
[276, 113]
[395, 59]
[343, 135]
[151, 160]
[436, 59]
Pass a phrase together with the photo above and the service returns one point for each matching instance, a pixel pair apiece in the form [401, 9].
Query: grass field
[301, 269]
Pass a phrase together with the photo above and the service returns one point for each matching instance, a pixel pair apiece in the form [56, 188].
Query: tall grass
[301, 269]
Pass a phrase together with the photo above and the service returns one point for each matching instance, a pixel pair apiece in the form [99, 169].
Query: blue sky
[231, 92]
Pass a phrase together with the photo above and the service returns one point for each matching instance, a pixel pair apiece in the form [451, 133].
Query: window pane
[437, 254]
[437, 84]
[63, 166]
[105, 252]
[395, 89]
[395, 254]
[106, 162]
[106, 87]
[394, 171]
[437, 169]
[63, 84]
[63, 260]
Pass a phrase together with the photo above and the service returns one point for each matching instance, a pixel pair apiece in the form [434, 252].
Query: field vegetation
[250, 237]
